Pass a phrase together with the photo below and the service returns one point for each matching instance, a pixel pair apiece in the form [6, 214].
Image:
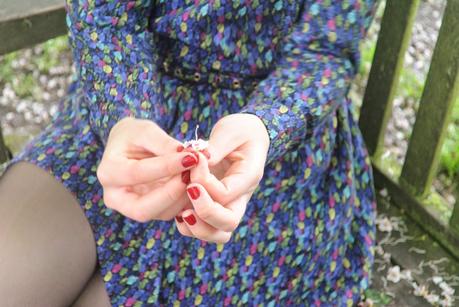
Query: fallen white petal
[432, 298]
[447, 290]
[437, 279]
[406, 274]
[393, 274]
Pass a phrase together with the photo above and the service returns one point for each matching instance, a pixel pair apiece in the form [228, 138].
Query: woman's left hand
[222, 186]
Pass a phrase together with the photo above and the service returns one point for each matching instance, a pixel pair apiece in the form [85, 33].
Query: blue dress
[307, 237]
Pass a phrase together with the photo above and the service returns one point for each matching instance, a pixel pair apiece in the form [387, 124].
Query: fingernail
[191, 220]
[189, 161]
[191, 150]
[206, 153]
[180, 148]
[186, 177]
[193, 192]
[179, 219]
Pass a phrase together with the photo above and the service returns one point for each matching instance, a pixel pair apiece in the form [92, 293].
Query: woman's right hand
[141, 171]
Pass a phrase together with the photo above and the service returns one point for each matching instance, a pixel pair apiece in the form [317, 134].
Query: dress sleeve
[114, 59]
[311, 78]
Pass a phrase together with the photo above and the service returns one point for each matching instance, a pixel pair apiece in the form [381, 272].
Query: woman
[284, 188]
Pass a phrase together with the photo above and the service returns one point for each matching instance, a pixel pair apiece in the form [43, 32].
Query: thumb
[223, 141]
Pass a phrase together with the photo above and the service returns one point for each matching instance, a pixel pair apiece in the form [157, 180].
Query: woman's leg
[47, 248]
[94, 294]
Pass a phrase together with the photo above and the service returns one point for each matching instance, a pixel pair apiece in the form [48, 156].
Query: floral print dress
[308, 234]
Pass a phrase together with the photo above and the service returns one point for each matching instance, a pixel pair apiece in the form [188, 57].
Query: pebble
[29, 114]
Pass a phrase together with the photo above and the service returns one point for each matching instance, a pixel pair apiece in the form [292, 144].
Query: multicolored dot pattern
[307, 238]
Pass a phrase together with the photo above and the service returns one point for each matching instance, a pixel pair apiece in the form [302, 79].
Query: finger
[145, 188]
[132, 136]
[182, 227]
[221, 143]
[175, 208]
[224, 218]
[230, 133]
[188, 205]
[203, 231]
[146, 207]
[239, 179]
[123, 172]
[155, 139]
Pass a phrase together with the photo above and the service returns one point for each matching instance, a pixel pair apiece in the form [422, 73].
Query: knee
[48, 251]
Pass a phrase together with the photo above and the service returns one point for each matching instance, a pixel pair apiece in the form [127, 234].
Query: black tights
[47, 249]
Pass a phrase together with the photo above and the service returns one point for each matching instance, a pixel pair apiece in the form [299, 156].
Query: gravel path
[24, 116]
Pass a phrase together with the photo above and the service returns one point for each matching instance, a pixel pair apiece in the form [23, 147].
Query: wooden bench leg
[5, 154]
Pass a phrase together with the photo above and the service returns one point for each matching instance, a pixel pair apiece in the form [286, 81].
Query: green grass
[6, 69]
[377, 297]
[450, 151]
[51, 51]
[22, 81]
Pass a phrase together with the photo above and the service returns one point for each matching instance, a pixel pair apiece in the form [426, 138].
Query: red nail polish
[191, 150]
[179, 219]
[191, 220]
[186, 177]
[193, 192]
[180, 148]
[189, 161]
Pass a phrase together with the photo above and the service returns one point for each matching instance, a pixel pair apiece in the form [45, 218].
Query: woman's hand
[222, 186]
[141, 171]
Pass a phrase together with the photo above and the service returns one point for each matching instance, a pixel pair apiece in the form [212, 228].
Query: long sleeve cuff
[297, 96]
[312, 74]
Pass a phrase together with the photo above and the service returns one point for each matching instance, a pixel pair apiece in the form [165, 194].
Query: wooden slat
[26, 23]
[437, 100]
[426, 217]
[3, 150]
[454, 221]
[392, 42]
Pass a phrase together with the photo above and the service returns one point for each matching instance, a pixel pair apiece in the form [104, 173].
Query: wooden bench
[25, 23]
